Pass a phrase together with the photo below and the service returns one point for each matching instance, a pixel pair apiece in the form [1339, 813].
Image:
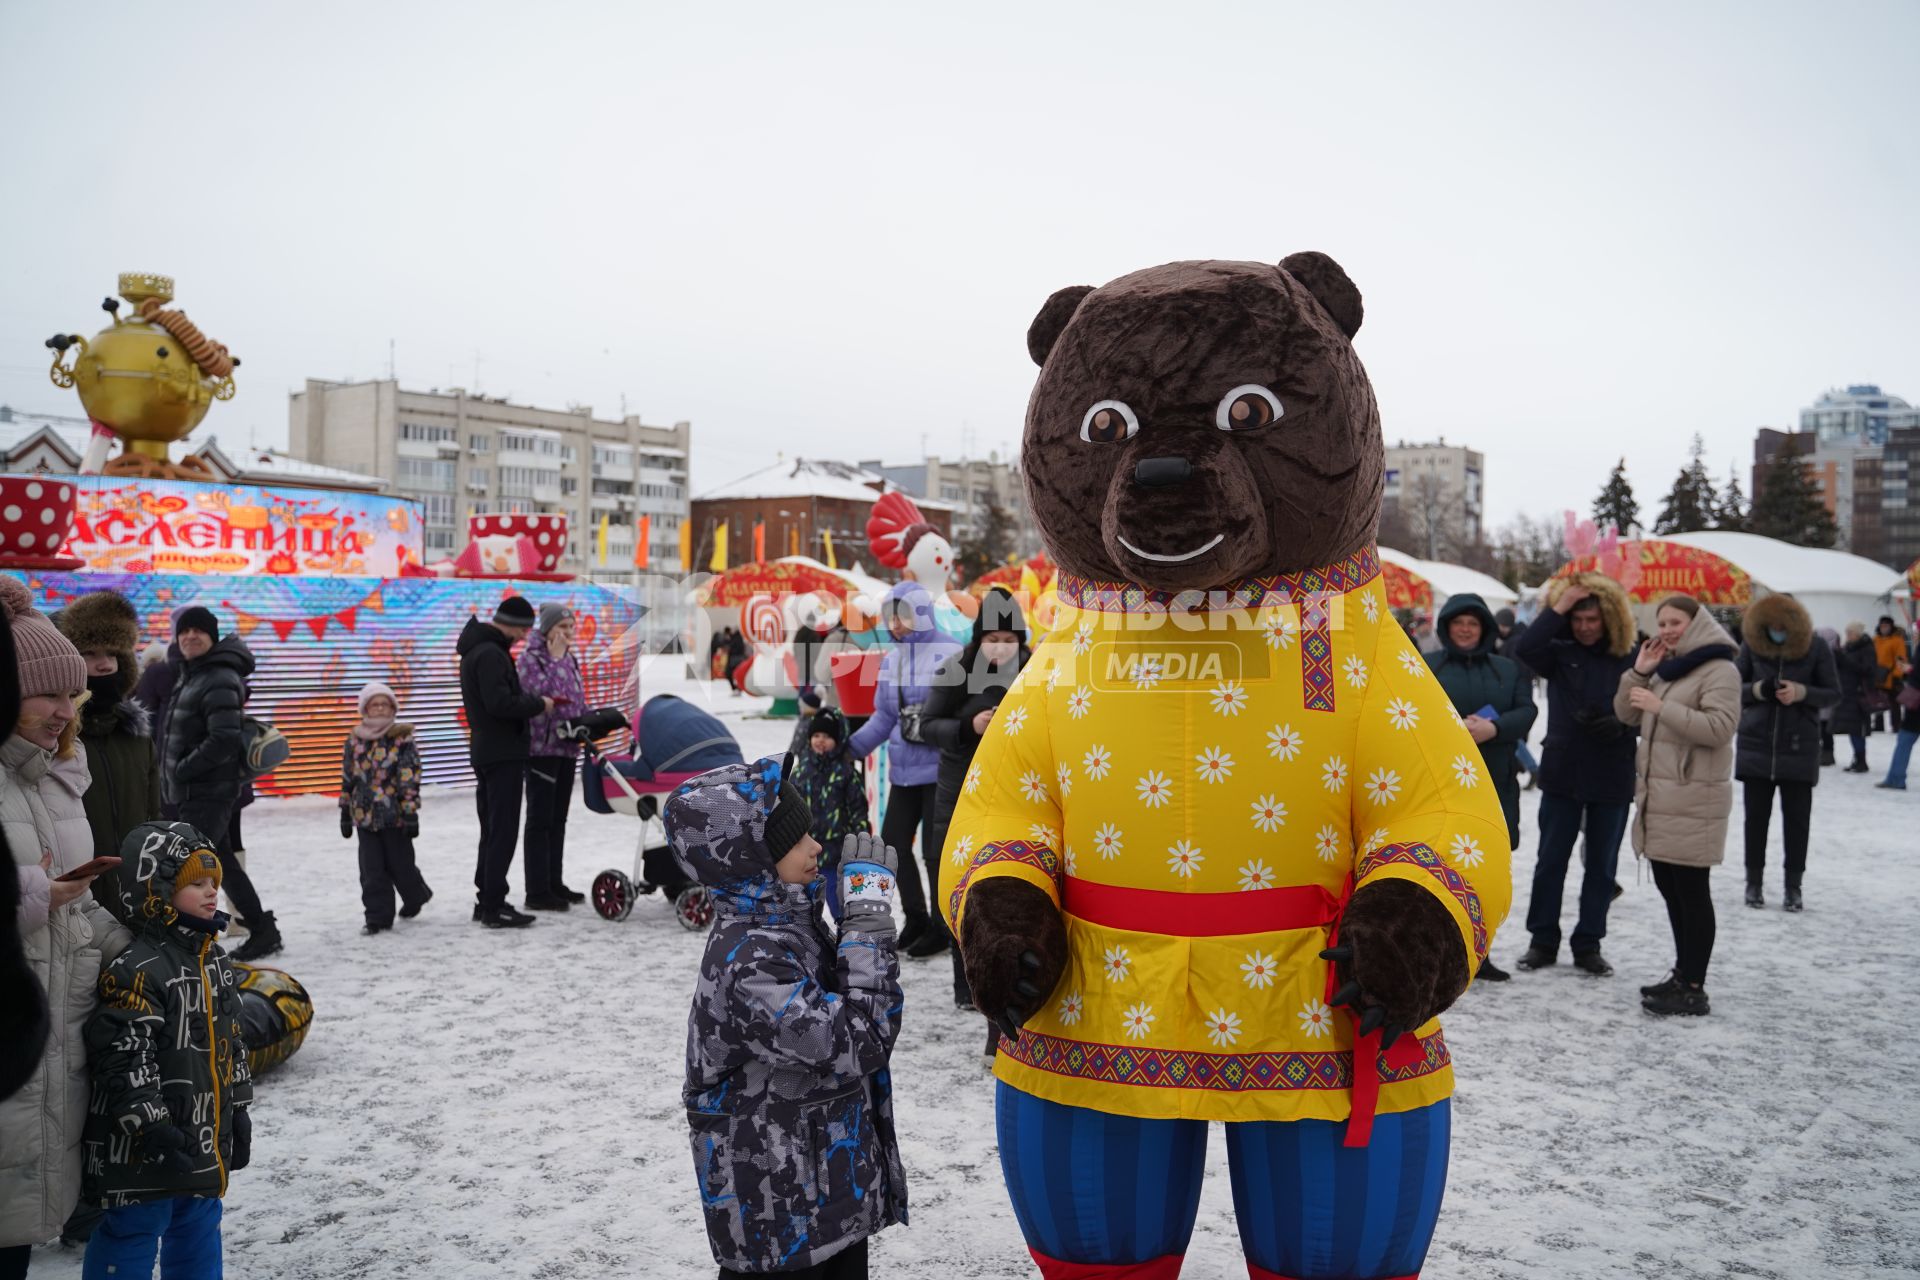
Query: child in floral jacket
[380, 801]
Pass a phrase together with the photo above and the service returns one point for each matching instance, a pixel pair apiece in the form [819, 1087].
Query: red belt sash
[1213, 915]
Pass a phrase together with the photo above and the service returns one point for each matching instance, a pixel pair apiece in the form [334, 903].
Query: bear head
[1202, 422]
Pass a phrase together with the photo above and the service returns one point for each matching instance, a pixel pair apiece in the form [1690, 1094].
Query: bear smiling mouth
[1198, 551]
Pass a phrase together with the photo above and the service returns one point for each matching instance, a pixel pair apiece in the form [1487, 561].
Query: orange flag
[759, 541]
[640, 537]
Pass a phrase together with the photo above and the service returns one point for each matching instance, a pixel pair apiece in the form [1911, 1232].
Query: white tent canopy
[1836, 588]
[1453, 580]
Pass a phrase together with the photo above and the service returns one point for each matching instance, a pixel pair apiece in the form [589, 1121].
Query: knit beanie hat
[374, 689]
[828, 722]
[514, 611]
[197, 618]
[48, 663]
[552, 615]
[791, 818]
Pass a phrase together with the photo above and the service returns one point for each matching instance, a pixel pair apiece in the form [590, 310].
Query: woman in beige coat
[66, 934]
[1683, 694]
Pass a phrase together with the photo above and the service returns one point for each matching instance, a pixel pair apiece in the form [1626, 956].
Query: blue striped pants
[1101, 1195]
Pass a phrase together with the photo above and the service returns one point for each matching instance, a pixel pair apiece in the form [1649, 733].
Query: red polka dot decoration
[36, 514]
[549, 533]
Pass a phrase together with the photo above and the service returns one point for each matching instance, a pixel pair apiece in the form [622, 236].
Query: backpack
[266, 749]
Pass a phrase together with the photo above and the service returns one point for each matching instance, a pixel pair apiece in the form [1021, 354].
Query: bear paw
[1014, 945]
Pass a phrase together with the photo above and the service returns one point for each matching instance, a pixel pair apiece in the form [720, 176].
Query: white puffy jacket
[41, 813]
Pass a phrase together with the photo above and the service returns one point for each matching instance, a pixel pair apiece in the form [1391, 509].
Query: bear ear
[1054, 314]
[1329, 286]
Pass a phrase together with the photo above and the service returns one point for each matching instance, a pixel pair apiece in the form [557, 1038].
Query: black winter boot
[1592, 962]
[1793, 902]
[1537, 958]
[1756, 897]
[262, 940]
[1491, 972]
[1667, 984]
[1683, 1000]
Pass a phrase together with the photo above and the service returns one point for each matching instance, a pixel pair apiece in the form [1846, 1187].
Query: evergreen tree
[1616, 505]
[1691, 502]
[1789, 507]
[1730, 512]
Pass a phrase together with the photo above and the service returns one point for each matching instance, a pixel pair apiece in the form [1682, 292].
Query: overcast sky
[824, 229]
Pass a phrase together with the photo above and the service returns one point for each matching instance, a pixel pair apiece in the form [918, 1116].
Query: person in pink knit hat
[68, 936]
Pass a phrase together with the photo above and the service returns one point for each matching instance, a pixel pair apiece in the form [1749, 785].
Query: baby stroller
[673, 742]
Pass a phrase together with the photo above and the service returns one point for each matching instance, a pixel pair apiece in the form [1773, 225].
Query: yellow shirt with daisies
[1295, 738]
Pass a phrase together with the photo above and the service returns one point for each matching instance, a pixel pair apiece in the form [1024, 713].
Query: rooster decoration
[902, 540]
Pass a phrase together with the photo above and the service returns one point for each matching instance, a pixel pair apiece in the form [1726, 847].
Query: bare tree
[1529, 549]
[1435, 516]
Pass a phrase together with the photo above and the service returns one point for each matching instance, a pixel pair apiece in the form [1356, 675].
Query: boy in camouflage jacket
[788, 1093]
[171, 1089]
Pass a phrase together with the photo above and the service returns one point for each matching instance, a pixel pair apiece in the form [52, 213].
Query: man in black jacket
[1580, 644]
[497, 744]
[202, 762]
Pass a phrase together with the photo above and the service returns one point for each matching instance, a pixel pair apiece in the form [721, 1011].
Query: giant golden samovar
[149, 378]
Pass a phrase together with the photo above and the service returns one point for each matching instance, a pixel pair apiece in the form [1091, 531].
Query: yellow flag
[686, 546]
[605, 523]
[719, 564]
[826, 537]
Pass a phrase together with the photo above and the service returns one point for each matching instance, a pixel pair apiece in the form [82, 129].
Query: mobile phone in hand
[94, 868]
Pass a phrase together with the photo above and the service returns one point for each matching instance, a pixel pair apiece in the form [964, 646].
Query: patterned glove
[869, 872]
[164, 1145]
[346, 825]
[242, 1139]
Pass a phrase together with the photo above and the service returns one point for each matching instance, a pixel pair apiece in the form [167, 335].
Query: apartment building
[461, 455]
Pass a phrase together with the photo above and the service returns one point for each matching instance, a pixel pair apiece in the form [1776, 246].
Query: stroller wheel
[693, 906]
[613, 895]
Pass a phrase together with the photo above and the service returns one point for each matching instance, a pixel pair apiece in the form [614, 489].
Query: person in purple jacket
[906, 678]
[549, 669]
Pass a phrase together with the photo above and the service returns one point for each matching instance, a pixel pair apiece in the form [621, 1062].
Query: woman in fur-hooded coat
[1787, 677]
[116, 730]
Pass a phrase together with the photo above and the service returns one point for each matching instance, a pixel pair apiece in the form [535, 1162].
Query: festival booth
[309, 579]
[1732, 570]
[1424, 586]
[769, 599]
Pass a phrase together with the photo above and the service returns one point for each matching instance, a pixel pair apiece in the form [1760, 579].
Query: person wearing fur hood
[1581, 643]
[116, 731]
[380, 803]
[1683, 694]
[1787, 678]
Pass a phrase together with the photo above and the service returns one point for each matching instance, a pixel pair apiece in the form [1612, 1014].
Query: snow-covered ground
[507, 1104]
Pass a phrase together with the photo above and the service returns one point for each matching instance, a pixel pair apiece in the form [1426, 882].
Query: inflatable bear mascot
[1226, 850]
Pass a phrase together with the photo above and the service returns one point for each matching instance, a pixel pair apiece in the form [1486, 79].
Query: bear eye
[1246, 407]
[1109, 422]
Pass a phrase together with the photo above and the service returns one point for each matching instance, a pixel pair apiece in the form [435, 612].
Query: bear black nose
[1159, 471]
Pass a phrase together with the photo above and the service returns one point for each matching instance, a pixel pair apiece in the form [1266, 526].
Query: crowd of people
[121, 788]
[1648, 735]
[134, 1069]
[128, 777]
